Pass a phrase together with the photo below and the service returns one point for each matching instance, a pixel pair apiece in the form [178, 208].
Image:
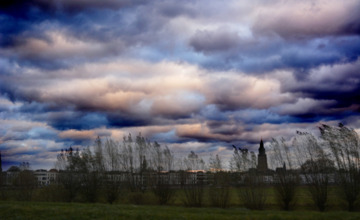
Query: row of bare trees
[92, 170]
[137, 165]
[331, 158]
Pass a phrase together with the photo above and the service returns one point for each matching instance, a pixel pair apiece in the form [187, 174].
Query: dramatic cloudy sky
[196, 74]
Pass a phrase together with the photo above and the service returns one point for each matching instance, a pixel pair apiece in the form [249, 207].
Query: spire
[261, 148]
[261, 145]
[262, 160]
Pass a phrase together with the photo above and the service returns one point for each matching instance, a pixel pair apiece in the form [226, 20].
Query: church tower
[262, 160]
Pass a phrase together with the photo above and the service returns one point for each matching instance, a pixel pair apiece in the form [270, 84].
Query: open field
[303, 199]
[39, 210]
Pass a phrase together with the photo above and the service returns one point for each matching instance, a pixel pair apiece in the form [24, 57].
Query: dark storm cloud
[38, 108]
[59, 49]
[214, 41]
[24, 9]
[8, 163]
[303, 57]
[18, 7]
[344, 77]
[74, 120]
[225, 50]
[33, 133]
[38, 33]
[81, 23]
[9, 88]
[301, 61]
[348, 46]
[261, 116]
[171, 10]
[329, 92]
[127, 120]
[8, 91]
[224, 127]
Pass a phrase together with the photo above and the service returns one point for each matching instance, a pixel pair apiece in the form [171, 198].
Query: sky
[195, 75]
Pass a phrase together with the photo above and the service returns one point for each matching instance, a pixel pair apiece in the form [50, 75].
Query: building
[42, 177]
[45, 177]
[262, 165]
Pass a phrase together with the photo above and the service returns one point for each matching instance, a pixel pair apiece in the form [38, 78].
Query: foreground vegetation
[303, 200]
[44, 210]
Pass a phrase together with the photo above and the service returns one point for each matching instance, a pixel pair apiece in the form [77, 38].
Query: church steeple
[262, 159]
[261, 148]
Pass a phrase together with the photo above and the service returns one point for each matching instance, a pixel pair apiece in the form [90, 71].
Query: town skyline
[197, 76]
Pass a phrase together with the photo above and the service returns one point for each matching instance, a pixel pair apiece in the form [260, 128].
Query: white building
[45, 177]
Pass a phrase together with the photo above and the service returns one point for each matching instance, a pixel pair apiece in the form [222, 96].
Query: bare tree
[81, 172]
[168, 159]
[111, 155]
[252, 191]
[194, 162]
[157, 159]
[193, 187]
[91, 172]
[161, 161]
[344, 144]
[67, 163]
[112, 183]
[242, 160]
[145, 164]
[215, 164]
[316, 167]
[98, 162]
[219, 190]
[193, 190]
[142, 148]
[134, 161]
[286, 178]
[25, 182]
[161, 187]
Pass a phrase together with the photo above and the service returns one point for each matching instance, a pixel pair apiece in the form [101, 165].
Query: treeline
[328, 162]
[331, 159]
[134, 167]
[113, 166]
[109, 169]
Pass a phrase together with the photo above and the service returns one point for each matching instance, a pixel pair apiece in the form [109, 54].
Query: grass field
[303, 199]
[44, 210]
[41, 208]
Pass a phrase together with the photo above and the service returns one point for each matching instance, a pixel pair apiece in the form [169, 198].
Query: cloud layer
[200, 75]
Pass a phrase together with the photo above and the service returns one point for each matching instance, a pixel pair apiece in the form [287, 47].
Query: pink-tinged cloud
[164, 89]
[308, 18]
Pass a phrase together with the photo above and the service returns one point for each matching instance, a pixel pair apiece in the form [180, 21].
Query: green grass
[303, 199]
[44, 210]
